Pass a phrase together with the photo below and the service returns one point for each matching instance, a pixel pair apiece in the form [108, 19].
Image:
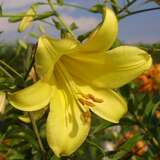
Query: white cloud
[87, 23]
[84, 23]
[11, 4]
[66, 9]
[6, 26]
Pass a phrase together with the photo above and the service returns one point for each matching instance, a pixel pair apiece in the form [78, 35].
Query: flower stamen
[86, 116]
[86, 102]
[93, 98]
[89, 100]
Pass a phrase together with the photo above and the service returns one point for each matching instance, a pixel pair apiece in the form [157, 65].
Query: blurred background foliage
[136, 137]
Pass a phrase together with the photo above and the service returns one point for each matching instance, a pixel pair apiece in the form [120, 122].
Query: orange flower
[150, 81]
[140, 147]
[2, 157]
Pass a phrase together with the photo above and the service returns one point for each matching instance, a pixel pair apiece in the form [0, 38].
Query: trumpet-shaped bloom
[77, 79]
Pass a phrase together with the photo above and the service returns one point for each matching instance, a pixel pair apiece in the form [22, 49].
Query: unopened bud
[28, 18]
[2, 102]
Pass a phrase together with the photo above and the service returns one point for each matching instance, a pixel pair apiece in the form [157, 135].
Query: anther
[86, 102]
[98, 100]
[82, 101]
[93, 98]
[87, 116]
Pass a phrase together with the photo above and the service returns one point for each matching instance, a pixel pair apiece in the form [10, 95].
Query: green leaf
[126, 147]
[16, 156]
[155, 107]
[16, 18]
[101, 127]
[55, 158]
[34, 35]
[42, 29]
[98, 8]
[73, 26]
[83, 36]
[92, 143]
[60, 2]
[57, 24]
[22, 44]
[1, 10]
[149, 108]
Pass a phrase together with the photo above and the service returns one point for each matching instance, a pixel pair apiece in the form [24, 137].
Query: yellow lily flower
[76, 79]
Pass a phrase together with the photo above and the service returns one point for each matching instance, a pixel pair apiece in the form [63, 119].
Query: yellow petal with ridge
[48, 52]
[36, 114]
[32, 98]
[67, 125]
[105, 34]
[106, 103]
[108, 70]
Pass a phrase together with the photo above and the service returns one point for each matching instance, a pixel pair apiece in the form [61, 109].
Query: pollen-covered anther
[86, 102]
[92, 97]
[87, 116]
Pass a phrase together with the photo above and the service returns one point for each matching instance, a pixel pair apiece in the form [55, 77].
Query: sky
[144, 28]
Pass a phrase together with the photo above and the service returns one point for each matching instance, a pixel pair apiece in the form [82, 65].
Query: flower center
[84, 101]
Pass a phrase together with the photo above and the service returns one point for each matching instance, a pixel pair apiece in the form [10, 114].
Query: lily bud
[28, 18]
[2, 101]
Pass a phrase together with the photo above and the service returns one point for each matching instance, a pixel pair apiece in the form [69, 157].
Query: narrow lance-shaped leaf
[1, 10]
[126, 147]
[73, 26]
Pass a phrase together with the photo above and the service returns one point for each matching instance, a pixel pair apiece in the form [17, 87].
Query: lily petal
[48, 52]
[105, 34]
[108, 70]
[66, 126]
[107, 104]
[36, 114]
[32, 98]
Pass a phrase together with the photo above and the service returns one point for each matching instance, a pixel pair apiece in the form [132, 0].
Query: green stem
[6, 72]
[127, 6]
[115, 6]
[96, 145]
[61, 19]
[11, 69]
[139, 11]
[49, 23]
[36, 132]
[65, 4]
[21, 15]
[31, 51]
[74, 6]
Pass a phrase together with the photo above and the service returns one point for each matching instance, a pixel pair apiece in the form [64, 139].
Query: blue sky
[138, 28]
